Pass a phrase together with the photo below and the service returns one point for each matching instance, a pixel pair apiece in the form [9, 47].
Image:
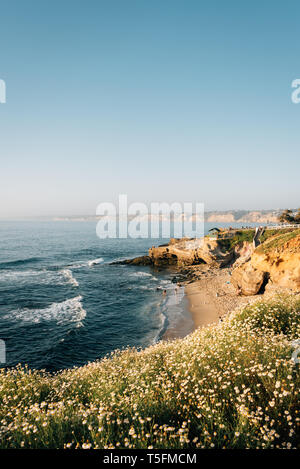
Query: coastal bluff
[185, 252]
[256, 265]
[274, 264]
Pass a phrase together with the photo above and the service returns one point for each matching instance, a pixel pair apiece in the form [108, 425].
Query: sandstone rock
[278, 259]
[243, 252]
[143, 260]
[284, 269]
[280, 256]
[190, 252]
[247, 279]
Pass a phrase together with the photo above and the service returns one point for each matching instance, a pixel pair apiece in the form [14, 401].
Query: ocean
[62, 302]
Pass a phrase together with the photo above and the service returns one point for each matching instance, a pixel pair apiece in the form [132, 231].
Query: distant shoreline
[260, 216]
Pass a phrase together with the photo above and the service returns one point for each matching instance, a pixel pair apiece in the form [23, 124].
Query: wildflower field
[230, 385]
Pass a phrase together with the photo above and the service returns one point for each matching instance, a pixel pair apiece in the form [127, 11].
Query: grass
[227, 244]
[230, 385]
[240, 236]
[277, 242]
[269, 233]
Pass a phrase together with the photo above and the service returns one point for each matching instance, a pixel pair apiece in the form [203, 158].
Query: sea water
[63, 303]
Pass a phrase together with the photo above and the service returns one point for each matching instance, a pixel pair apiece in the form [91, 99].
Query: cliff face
[185, 252]
[259, 217]
[190, 252]
[276, 262]
[243, 216]
[220, 218]
[282, 262]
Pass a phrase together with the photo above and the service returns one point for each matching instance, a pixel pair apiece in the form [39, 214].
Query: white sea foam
[68, 311]
[87, 263]
[95, 261]
[176, 296]
[145, 287]
[15, 274]
[44, 276]
[141, 274]
[162, 326]
[67, 274]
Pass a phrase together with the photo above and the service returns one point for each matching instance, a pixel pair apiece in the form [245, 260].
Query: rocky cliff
[191, 252]
[186, 252]
[275, 263]
[243, 216]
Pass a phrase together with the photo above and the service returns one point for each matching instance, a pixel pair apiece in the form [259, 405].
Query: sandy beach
[208, 296]
[212, 296]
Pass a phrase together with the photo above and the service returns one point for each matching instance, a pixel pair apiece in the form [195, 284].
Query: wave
[44, 277]
[16, 274]
[29, 260]
[95, 261]
[163, 325]
[141, 274]
[66, 312]
[69, 277]
[86, 263]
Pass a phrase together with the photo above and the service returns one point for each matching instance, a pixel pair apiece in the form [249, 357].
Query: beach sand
[208, 297]
[212, 296]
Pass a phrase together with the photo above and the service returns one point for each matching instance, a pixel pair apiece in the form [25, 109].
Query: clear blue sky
[162, 100]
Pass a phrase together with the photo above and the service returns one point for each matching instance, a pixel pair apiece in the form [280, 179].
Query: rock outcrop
[185, 252]
[247, 279]
[284, 269]
[142, 260]
[277, 260]
[243, 252]
[190, 252]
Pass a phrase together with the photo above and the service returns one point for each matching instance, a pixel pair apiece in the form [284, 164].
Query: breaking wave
[95, 262]
[69, 277]
[87, 263]
[68, 311]
[43, 277]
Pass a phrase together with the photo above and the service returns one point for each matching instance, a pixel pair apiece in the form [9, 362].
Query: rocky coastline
[229, 268]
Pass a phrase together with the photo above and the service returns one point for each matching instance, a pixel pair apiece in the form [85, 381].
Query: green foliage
[230, 385]
[227, 244]
[240, 236]
[297, 216]
[269, 233]
[287, 217]
[279, 316]
[277, 242]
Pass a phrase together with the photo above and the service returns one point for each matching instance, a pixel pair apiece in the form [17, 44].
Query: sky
[165, 101]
